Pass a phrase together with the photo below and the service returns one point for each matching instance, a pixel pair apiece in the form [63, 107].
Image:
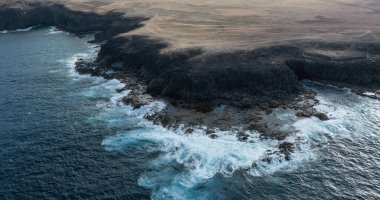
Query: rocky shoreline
[245, 122]
[214, 89]
[199, 79]
[223, 116]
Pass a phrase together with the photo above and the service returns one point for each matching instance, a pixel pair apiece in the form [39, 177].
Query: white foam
[369, 94]
[70, 62]
[53, 30]
[372, 94]
[199, 158]
[105, 88]
[202, 157]
[17, 30]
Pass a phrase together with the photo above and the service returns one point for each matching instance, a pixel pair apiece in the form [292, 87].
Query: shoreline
[221, 117]
[233, 76]
[198, 83]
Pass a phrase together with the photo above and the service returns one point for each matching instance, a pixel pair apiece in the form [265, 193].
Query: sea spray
[184, 160]
[195, 157]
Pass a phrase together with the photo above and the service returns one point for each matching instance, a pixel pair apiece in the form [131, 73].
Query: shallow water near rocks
[65, 135]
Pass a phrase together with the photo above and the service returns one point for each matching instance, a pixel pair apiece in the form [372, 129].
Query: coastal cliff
[197, 78]
[25, 15]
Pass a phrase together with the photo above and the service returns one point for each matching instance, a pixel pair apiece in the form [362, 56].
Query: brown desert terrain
[246, 24]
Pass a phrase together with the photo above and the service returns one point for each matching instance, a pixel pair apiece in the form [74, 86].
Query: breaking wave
[184, 160]
[54, 30]
[181, 162]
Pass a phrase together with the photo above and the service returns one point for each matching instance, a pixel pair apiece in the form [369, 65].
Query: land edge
[196, 81]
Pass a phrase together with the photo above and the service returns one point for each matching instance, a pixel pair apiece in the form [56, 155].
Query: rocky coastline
[215, 89]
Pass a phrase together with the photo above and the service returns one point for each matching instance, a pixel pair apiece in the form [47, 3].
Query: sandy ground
[245, 24]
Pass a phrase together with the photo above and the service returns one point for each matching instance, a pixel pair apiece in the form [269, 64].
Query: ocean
[68, 136]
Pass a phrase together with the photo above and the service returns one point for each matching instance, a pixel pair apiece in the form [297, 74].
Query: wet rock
[286, 148]
[267, 160]
[257, 126]
[209, 131]
[119, 90]
[254, 165]
[242, 136]
[189, 130]
[322, 116]
[137, 100]
[213, 136]
[303, 114]
[162, 119]
[274, 135]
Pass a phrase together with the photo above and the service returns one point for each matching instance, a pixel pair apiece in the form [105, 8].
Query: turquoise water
[65, 135]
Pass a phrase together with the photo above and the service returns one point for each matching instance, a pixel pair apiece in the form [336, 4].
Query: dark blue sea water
[67, 136]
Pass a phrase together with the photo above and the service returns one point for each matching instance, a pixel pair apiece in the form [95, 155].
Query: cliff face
[196, 77]
[199, 78]
[359, 67]
[49, 14]
[361, 72]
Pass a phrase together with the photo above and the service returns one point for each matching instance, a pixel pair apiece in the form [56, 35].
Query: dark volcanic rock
[360, 66]
[162, 119]
[242, 136]
[358, 71]
[286, 148]
[137, 100]
[322, 116]
[202, 80]
[48, 14]
[275, 135]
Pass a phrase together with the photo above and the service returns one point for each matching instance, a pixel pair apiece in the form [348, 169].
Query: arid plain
[245, 24]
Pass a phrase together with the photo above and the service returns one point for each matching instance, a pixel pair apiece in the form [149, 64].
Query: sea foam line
[198, 157]
[17, 30]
